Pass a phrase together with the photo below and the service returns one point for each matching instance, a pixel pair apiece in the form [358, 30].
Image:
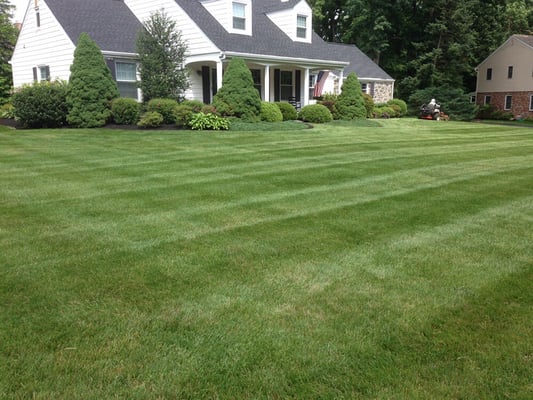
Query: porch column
[306, 87]
[220, 73]
[267, 83]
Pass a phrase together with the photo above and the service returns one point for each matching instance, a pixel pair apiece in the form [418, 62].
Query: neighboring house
[288, 61]
[505, 78]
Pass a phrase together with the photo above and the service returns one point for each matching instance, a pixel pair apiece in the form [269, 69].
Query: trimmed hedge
[288, 111]
[315, 113]
[151, 119]
[125, 111]
[165, 107]
[270, 112]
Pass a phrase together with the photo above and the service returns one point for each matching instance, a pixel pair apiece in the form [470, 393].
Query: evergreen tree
[162, 57]
[91, 86]
[8, 38]
[238, 97]
[350, 103]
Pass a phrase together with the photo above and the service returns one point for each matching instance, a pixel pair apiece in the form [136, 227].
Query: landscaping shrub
[41, 105]
[488, 111]
[7, 111]
[165, 107]
[402, 106]
[125, 111]
[183, 114]
[331, 106]
[270, 112]
[384, 111]
[288, 111]
[238, 97]
[350, 103]
[315, 113]
[195, 105]
[91, 86]
[209, 109]
[369, 105]
[201, 121]
[500, 115]
[151, 119]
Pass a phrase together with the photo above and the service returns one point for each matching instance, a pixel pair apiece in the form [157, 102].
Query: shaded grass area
[388, 261]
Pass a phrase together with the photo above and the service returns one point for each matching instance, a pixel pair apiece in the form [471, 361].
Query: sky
[21, 8]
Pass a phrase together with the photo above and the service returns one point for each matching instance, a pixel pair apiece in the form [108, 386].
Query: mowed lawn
[379, 260]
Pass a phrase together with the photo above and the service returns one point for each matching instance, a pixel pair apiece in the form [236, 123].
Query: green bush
[384, 111]
[350, 103]
[183, 114]
[270, 112]
[91, 86]
[201, 121]
[315, 113]
[7, 111]
[150, 119]
[165, 107]
[288, 111]
[399, 103]
[41, 105]
[331, 106]
[195, 105]
[500, 115]
[238, 97]
[369, 105]
[125, 111]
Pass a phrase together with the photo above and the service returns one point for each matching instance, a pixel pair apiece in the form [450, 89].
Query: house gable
[234, 15]
[295, 21]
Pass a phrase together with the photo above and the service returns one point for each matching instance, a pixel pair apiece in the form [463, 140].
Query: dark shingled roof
[110, 23]
[527, 39]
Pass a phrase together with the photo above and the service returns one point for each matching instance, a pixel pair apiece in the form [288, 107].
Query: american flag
[319, 85]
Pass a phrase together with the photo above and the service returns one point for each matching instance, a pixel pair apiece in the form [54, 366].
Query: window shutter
[111, 65]
[206, 84]
[48, 78]
[277, 82]
[35, 77]
[298, 85]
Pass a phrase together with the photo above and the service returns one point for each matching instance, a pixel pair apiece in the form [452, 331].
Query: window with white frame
[301, 26]
[126, 76]
[487, 99]
[41, 73]
[508, 102]
[531, 102]
[239, 16]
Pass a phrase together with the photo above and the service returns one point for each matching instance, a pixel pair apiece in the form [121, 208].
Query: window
[364, 87]
[126, 74]
[489, 74]
[487, 99]
[301, 26]
[44, 71]
[531, 103]
[239, 16]
[286, 85]
[37, 17]
[508, 102]
[510, 72]
[256, 76]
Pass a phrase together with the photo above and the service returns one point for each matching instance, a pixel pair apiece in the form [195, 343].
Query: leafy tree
[453, 101]
[8, 38]
[350, 103]
[238, 97]
[91, 86]
[162, 56]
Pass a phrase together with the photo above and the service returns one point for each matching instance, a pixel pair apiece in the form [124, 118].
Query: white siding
[197, 41]
[44, 45]
[286, 21]
[221, 10]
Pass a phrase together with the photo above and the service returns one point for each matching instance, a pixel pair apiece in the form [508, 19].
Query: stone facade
[382, 92]
[521, 102]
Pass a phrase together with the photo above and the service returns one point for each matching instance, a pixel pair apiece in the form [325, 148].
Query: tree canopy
[8, 38]
[424, 43]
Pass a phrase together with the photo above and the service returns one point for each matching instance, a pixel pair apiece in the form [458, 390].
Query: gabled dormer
[295, 21]
[234, 15]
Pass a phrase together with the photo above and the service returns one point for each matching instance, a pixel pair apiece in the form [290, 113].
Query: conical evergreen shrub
[238, 97]
[350, 103]
[91, 86]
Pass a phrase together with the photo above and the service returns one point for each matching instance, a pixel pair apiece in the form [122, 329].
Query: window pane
[531, 103]
[489, 74]
[239, 10]
[127, 89]
[510, 72]
[286, 77]
[126, 71]
[508, 102]
[301, 25]
[487, 99]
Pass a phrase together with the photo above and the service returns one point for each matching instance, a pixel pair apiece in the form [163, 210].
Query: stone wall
[520, 106]
[382, 92]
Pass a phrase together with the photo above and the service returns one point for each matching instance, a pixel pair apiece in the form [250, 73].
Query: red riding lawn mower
[432, 111]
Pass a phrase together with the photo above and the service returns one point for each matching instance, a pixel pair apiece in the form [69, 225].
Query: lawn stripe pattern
[388, 260]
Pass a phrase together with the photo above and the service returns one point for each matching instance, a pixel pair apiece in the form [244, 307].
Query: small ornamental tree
[91, 86]
[350, 103]
[161, 59]
[238, 97]
[8, 37]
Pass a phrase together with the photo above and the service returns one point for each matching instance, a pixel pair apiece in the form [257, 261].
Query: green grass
[388, 260]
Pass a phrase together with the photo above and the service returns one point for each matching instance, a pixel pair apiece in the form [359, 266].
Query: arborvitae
[350, 103]
[238, 97]
[91, 86]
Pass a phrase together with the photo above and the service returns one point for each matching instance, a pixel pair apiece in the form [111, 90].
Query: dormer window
[239, 16]
[301, 26]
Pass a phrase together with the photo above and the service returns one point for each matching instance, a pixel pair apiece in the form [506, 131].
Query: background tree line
[424, 43]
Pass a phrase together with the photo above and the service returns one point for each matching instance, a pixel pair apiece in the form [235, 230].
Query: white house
[288, 61]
